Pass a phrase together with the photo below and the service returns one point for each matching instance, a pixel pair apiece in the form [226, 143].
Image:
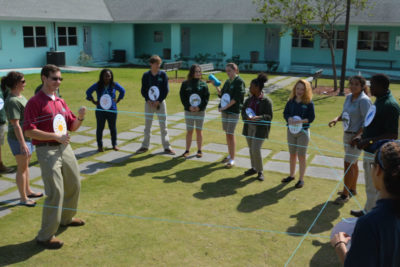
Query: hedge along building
[204, 31]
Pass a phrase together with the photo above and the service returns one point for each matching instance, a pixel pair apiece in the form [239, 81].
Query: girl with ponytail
[257, 116]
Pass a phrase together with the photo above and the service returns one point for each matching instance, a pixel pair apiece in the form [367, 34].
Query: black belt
[48, 144]
[350, 132]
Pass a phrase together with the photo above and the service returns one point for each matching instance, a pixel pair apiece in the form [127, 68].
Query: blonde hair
[307, 96]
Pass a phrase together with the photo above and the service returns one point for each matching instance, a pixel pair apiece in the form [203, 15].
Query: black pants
[111, 118]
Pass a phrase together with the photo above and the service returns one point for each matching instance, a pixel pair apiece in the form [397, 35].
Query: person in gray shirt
[355, 109]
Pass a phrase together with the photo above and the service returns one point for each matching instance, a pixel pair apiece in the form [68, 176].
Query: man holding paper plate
[194, 97]
[47, 121]
[106, 104]
[232, 96]
[299, 114]
[154, 90]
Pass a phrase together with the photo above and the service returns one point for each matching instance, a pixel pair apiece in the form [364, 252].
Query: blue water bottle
[217, 82]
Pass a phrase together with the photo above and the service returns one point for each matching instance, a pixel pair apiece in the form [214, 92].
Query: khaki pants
[372, 193]
[60, 174]
[255, 145]
[162, 120]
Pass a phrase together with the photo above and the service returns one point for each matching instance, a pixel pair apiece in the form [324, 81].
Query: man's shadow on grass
[190, 175]
[325, 256]
[258, 201]
[157, 167]
[16, 253]
[324, 223]
[224, 187]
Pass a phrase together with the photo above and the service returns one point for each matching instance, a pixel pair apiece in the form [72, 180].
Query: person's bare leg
[21, 176]
[302, 166]
[189, 135]
[292, 161]
[231, 141]
[199, 139]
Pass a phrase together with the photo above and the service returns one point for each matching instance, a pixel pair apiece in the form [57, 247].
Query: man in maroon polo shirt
[47, 119]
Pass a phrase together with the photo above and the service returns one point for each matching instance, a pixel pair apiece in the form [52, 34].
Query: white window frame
[67, 35]
[34, 36]
[373, 41]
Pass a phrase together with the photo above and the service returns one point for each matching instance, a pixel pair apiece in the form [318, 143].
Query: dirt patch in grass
[328, 90]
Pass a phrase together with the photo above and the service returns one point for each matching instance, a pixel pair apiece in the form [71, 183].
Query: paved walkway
[90, 162]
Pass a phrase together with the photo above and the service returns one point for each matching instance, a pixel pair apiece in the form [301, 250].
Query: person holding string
[106, 106]
[376, 237]
[194, 97]
[257, 115]
[232, 96]
[299, 114]
[20, 146]
[355, 109]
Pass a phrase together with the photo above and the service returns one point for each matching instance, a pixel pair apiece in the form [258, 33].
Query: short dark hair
[155, 59]
[382, 80]
[49, 68]
[10, 81]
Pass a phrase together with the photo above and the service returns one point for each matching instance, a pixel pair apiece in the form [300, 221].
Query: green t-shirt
[236, 90]
[194, 86]
[3, 118]
[15, 107]
[386, 119]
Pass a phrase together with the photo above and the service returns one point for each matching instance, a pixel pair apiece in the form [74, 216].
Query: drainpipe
[55, 37]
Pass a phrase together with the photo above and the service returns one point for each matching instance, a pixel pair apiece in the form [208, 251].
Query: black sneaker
[287, 179]
[142, 150]
[299, 184]
[341, 199]
[260, 176]
[250, 171]
[357, 213]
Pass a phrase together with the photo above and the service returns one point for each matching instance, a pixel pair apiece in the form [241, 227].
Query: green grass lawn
[155, 210]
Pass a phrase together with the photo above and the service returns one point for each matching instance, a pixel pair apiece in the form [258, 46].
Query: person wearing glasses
[47, 121]
[381, 122]
[376, 237]
[194, 97]
[20, 146]
[106, 106]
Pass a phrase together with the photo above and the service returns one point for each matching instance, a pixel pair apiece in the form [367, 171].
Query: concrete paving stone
[107, 143]
[39, 182]
[81, 139]
[154, 139]
[84, 152]
[178, 152]
[329, 173]
[179, 126]
[105, 132]
[128, 135]
[245, 152]
[114, 157]
[182, 143]
[172, 132]
[207, 157]
[243, 162]
[133, 147]
[34, 172]
[10, 199]
[210, 106]
[282, 155]
[286, 82]
[210, 117]
[5, 212]
[216, 147]
[282, 167]
[176, 117]
[4, 185]
[90, 167]
[214, 101]
[139, 129]
[275, 79]
[214, 111]
[333, 162]
[83, 129]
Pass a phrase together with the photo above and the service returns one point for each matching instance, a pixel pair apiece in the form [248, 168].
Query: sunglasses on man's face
[56, 79]
[23, 81]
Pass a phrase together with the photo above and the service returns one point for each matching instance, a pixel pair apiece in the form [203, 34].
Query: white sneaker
[230, 163]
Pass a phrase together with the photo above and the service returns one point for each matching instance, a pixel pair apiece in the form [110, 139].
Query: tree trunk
[335, 87]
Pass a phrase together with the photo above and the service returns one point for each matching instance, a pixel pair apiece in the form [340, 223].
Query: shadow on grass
[222, 188]
[190, 175]
[16, 253]
[324, 223]
[157, 167]
[325, 256]
[271, 196]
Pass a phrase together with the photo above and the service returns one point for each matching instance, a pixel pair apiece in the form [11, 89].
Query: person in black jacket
[257, 116]
[194, 97]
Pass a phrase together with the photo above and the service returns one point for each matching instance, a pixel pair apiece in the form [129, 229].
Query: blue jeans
[111, 118]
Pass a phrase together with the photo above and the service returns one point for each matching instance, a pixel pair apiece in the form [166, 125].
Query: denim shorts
[16, 148]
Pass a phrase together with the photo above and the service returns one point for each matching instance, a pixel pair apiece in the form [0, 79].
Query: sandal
[287, 179]
[185, 154]
[35, 195]
[28, 203]
[299, 184]
[199, 154]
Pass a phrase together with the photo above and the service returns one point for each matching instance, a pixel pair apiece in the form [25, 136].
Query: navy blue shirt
[376, 238]
[111, 90]
[160, 80]
[304, 111]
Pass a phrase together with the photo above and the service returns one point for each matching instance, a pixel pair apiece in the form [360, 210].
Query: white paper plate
[1, 103]
[59, 125]
[250, 113]
[370, 115]
[105, 101]
[154, 93]
[346, 226]
[195, 100]
[225, 100]
[345, 121]
[296, 128]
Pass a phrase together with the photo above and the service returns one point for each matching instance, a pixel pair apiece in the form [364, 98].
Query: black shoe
[357, 213]
[250, 171]
[299, 184]
[287, 179]
[260, 176]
